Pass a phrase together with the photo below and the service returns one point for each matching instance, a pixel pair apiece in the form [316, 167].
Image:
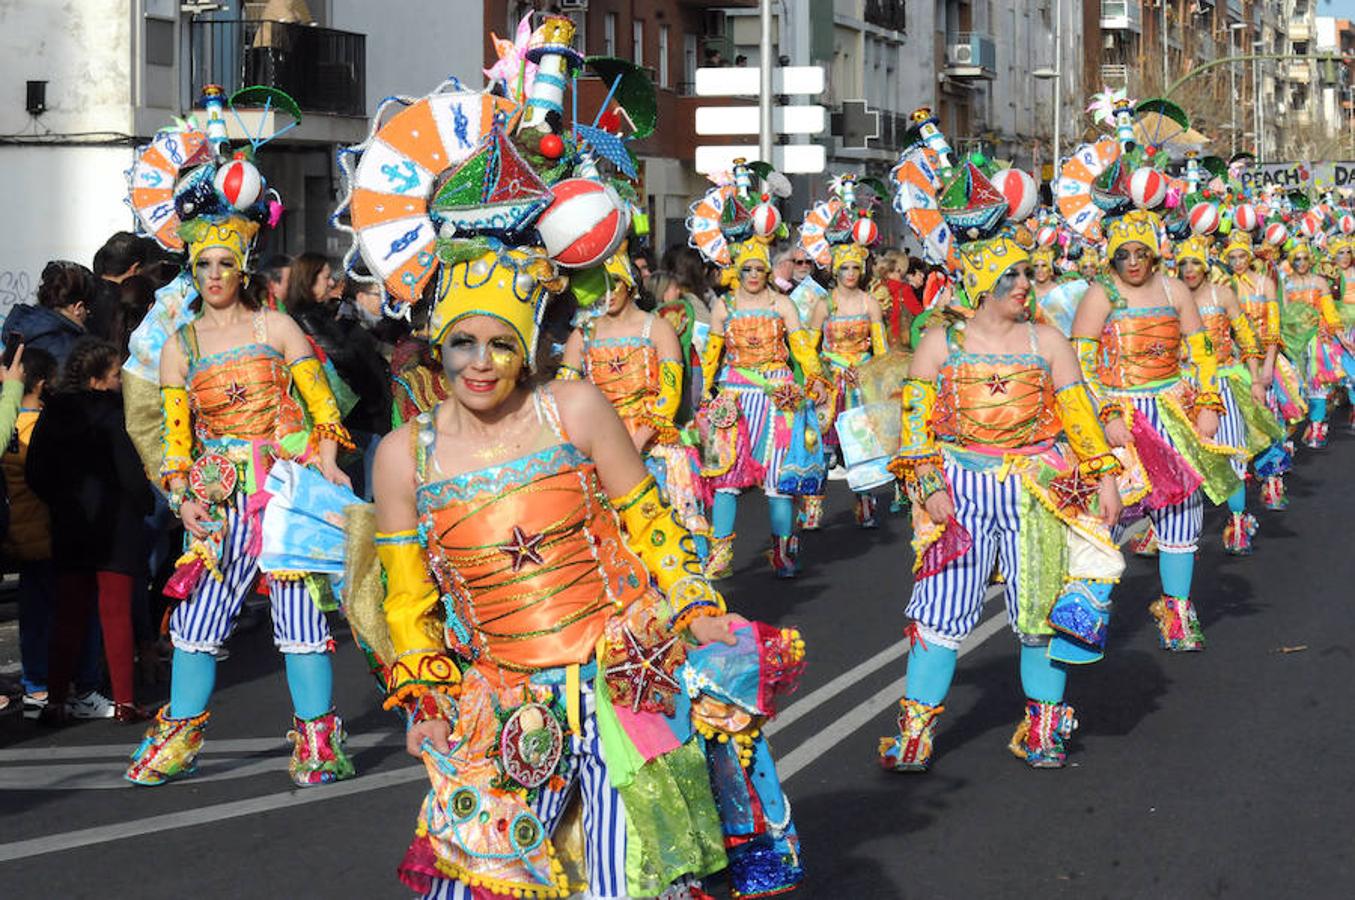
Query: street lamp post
[1233, 28]
[1056, 75]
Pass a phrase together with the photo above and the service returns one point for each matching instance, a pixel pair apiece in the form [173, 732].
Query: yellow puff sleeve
[1245, 336]
[1330, 317]
[176, 435]
[654, 534]
[1206, 370]
[878, 345]
[421, 661]
[663, 404]
[1082, 426]
[568, 373]
[917, 440]
[1270, 337]
[804, 347]
[311, 383]
[710, 360]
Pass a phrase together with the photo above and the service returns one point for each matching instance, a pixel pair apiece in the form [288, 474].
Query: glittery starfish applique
[1073, 491]
[1157, 349]
[235, 393]
[997, 384]
[616, 365]
[523, 548]
[643, 668]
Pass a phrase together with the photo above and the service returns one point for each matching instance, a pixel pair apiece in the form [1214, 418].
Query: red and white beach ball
[239, 183]
[1311, 223]
[584, 224]
[1021, 191]
[1245, 217]
[865, 232]
[1147, 188]
[1047, 236]
[1276, 234]
[766, 218]
[1346, 223]
[1204, 218]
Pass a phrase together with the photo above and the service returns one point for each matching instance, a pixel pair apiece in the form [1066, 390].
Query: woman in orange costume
[534, 655]
[635, 359]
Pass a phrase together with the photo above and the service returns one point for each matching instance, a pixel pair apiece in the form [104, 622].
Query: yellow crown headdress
[1195, 247]
[753, 249]
[1338, 242]
[982, 263]
[1238, 240]
[1300, 246]
[850, 254]
[511, 285]
[234, 233]
[1046, 255]
[1139, 226]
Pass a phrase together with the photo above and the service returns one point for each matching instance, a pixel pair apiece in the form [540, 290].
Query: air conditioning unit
[960, 54]
[573, 4]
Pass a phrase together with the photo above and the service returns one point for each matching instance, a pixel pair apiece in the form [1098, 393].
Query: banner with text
[1321, 176]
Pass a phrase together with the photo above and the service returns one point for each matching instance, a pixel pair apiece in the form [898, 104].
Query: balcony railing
[1121, 15]
[323, 70]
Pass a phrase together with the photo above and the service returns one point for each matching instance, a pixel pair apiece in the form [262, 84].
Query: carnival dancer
[987, 396]
[542, 604]
[228, 381]
[757, 412]
[849, 322]
[1055, 298]
[1341, 249]
[1247, 424]
[1129, 330]
[499, 496]
[1258, 294]
[1310, 329]
[634, 358]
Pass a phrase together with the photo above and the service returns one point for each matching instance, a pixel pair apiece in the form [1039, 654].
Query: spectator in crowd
[57, 320]
[276, 273]
[135, 297]
[355, 356]
[28, 544]
[311, 281]
[690, 270]
[643, 262]
[740, 61]
[82, 464]
[121, 257]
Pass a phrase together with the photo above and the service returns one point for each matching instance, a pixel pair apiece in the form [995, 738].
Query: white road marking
[233, 746]
[85, 837]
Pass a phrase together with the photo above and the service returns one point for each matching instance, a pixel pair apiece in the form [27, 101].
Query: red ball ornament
[552, 146]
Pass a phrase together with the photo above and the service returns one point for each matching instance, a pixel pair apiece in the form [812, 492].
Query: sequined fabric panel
[627, 373]
[996, 401]
[755, 338]
[1220, 334]
[244, 394]
[848, 335]
[1139, 346]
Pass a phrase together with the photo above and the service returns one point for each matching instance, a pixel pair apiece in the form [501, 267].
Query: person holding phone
[58, 319]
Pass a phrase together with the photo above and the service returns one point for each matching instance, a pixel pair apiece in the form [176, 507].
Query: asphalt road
[1220, 774]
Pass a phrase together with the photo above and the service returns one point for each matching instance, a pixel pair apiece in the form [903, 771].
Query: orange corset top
[626, 370]
[755, 338]
[848, 336]
[995, 400]
[1220, 334]
[243, 393]
[530, 559]
[1139, 346]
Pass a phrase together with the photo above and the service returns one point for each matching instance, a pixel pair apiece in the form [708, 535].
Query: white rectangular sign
[790, 159]
[747, 81]
[744, 120]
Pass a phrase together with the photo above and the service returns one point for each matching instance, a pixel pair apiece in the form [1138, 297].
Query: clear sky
[1341, 9]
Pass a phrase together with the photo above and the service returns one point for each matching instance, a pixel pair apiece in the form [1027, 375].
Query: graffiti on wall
[16, 286]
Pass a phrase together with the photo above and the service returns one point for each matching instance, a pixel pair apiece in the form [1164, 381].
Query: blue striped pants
[1232, 427]
[759, 414]
[203, 622]
[604, 816]
[1177, 527]
[947, 605]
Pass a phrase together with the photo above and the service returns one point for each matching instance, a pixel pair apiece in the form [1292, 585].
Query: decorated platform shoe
[1315, 435]
[1273, 495]
[318, 756]
[1177, 624]
[1042, 734]
[811, 512]
[720, 559]
[1237, 534]
[911, 750]
[865, 511]
[782, 556]
[169, 750]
